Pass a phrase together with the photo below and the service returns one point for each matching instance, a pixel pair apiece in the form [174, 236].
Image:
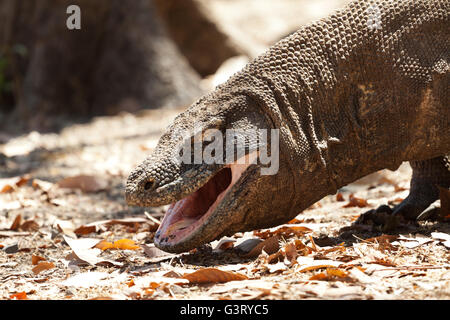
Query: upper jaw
[180, 187]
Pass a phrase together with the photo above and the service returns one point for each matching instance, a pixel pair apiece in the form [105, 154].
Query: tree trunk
[120, 59]
[198, 37]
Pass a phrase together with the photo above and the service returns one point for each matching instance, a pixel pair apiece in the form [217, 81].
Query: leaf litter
[51, 229]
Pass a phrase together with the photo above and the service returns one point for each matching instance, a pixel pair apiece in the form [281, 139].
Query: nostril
[148, 185]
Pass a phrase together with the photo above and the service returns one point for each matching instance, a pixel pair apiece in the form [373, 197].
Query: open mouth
[187, 215]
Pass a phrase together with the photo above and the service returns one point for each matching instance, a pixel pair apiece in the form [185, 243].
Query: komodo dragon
[361, 90]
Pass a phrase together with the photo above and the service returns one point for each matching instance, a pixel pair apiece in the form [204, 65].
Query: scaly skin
[359, 91]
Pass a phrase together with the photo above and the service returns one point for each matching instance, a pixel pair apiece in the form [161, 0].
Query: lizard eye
[149, 184]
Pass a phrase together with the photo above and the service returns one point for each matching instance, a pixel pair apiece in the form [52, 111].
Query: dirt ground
[76, 238]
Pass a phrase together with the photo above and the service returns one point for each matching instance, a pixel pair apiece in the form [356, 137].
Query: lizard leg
[426, 176]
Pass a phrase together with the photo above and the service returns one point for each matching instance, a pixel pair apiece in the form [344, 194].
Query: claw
[430, 213]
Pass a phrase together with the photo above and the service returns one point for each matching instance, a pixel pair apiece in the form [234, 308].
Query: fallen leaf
[331, 274]
[223, 244]
[155, 254]
[122, 244]
[385, 242]
[16, 223]
[41, 184]
[383, 262]
[85, 279]
[35, 259]
[277, 267]
[340, 197]
[19, 296]
[213, 275]
[172, 274]
[66, 227]
[125, 244]
[356, 202]
[320, 276]
[270, 245]
[84, 250]
[412, 243]
[83, 230]
[286, 231]
[320, 266]
[313, 245]
[309, 263]
[104, 245]
[444, 238]
[85, 183]
[43, 265]
[29, 225]
[10, 184]
[291, 253]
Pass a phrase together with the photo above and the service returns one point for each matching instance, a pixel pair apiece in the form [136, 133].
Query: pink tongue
[180, 224]
[194, 205]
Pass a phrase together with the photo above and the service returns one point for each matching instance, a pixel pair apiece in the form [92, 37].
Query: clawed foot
[429, 178]
[386, 218]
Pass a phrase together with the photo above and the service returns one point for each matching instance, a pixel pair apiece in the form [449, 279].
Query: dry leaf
[320, 266]
[383, 262]
[313, 245]
[125, 244]
[284, 230]
[16, 224]
[86, 183]
[319, 276]
[29, 225]
[156, 254]
[340, 197]
[104, 245]
[19, 296]
[41, 184]
[223, 244]
[83, 230]
[290, 251]
[35, 259]
[122, 244]
[43, 265]
[213, 275]
[270, 245]
[277, 267]
[331, 274]
[309, 263]
[444, 238]
[9, 184]
[84, 250]
[356, 202]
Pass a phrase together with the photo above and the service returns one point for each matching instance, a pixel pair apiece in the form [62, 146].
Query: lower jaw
[175, 236]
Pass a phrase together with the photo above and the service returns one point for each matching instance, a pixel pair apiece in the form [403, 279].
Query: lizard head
[219, 168]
